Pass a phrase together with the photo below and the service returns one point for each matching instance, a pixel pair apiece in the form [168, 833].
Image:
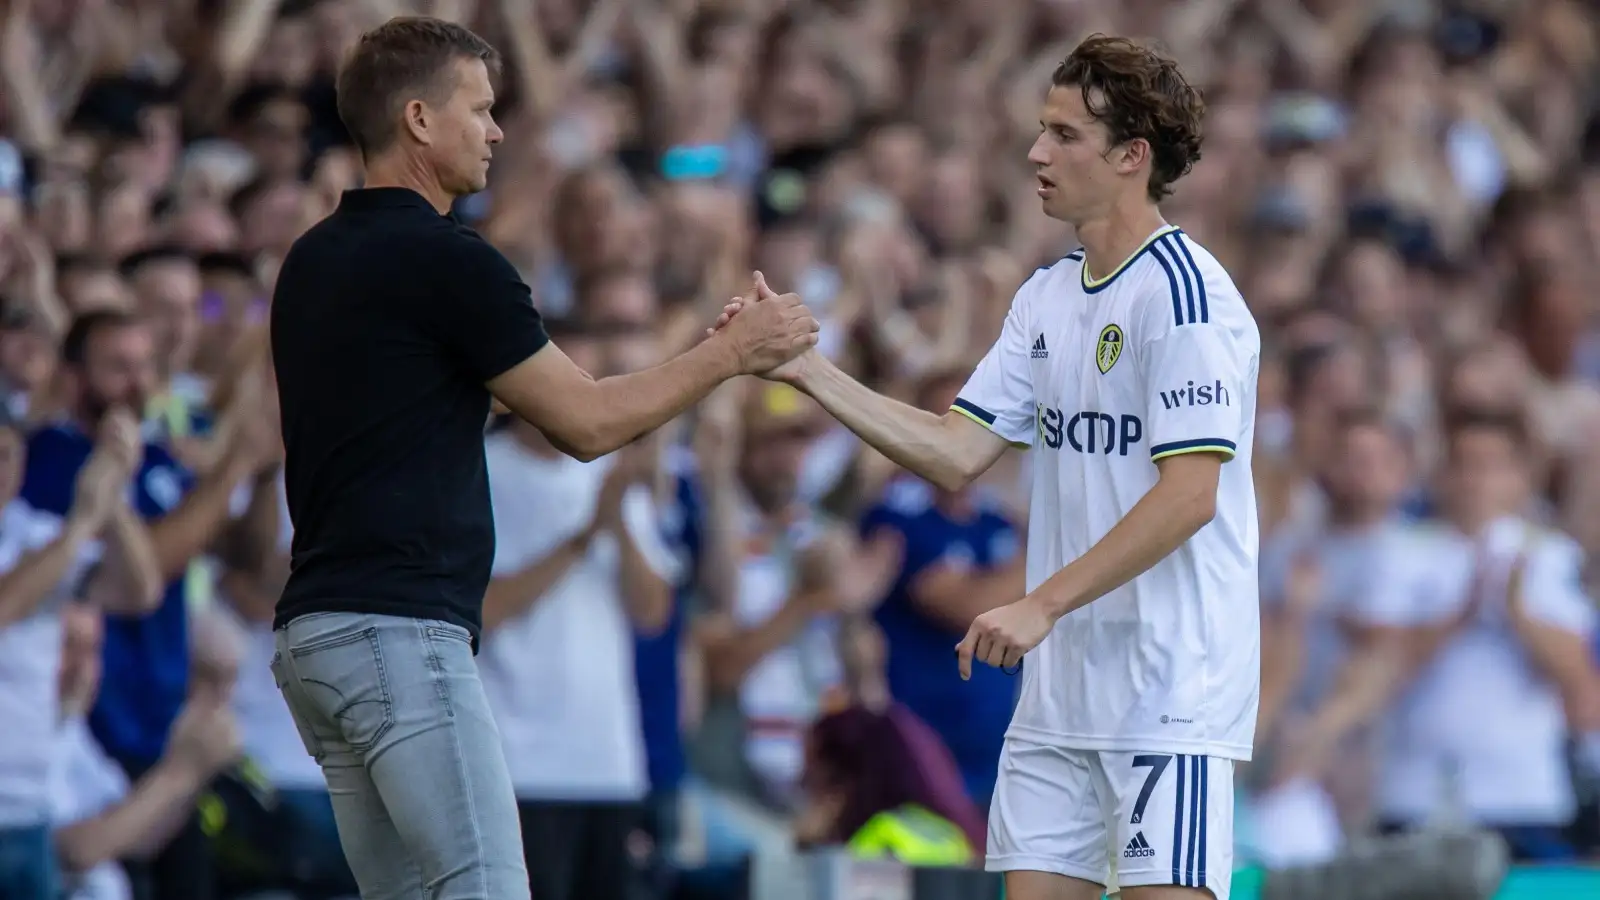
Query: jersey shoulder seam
[1189, 301]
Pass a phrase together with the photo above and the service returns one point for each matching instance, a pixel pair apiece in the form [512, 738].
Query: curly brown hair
[1139, 93]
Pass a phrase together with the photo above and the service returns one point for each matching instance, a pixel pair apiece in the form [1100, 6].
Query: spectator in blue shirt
[109, 361]
[962, 558]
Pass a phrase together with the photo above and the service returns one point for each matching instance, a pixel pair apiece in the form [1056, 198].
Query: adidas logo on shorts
[1138, 848]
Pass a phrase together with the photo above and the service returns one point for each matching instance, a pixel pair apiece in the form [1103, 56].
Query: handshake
[770, 334]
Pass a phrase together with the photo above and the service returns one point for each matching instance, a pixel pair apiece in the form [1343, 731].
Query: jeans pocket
[344, 678]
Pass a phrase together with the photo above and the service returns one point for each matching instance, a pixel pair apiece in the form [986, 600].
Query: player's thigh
[1173, 827]
[1048, 824]
[1022, 885]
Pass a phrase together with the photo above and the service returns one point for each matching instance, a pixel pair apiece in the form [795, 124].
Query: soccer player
[1129, 367]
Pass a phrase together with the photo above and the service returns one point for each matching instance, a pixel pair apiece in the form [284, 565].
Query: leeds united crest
[1109, 349]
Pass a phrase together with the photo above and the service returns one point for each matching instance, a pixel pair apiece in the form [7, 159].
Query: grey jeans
[394, 712]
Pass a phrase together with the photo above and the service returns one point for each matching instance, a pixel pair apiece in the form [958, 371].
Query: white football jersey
[1102, 378]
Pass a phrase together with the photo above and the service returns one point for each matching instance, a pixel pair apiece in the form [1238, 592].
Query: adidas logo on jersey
[1138, 848]
[1039, 352]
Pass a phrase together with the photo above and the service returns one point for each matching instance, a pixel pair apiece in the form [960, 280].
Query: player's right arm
[995, 409]
[494, 328]
[949, 450]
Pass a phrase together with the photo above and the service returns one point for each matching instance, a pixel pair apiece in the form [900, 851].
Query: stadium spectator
[97, 815]
[962, 558]
[110, 362]
[1505, 634]
[99, 554]
[580, 565]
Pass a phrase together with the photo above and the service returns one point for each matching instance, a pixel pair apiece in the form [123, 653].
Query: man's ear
[417, 119]
[1132, 155]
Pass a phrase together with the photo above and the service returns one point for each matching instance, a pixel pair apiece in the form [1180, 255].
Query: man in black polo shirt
[392, 327]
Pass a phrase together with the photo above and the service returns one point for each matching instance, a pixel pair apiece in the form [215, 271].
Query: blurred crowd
[732, 642]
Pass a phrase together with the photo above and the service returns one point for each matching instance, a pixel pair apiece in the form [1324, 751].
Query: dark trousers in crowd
[580, 851]
[184, 869]
[28, 864]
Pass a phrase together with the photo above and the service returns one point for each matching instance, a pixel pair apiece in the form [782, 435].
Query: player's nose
[1039, 154]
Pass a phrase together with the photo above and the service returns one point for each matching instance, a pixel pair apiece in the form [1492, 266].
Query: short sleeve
[999, 395]
[1196, 384]
[489, 320]
[1553, 590]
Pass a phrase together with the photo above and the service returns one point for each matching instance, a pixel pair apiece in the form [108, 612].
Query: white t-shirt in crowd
[560, 677]
[1103, 378]
[782, 693]
[1481, 730]
[30, 670]
[1353, 565]
[84, 783]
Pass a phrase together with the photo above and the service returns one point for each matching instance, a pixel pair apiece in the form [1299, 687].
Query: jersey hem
[1221, 446]
[1130, 744]
[983, 417]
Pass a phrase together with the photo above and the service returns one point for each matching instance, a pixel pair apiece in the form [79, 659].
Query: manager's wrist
[725, 357]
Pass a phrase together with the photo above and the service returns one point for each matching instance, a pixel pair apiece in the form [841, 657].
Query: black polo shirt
[387, 320]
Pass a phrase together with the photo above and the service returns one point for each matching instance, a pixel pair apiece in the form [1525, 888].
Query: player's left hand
[1001, 636]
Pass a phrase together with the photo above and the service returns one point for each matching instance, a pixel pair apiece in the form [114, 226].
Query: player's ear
[1132, 155]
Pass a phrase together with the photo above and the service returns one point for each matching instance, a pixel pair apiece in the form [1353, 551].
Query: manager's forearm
[914, 439]
[1169, 514]
[623, 407]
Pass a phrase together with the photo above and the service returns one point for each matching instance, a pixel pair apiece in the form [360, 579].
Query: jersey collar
[1095, 285]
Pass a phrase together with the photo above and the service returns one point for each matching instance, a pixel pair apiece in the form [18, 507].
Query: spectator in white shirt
[1495, 668]
[580, 562]
[46, 561]
[1317, 576]
[776, 576]
[97, 817]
